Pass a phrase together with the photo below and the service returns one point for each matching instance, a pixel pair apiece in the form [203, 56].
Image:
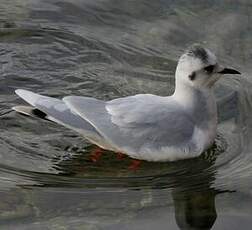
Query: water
[108, 49]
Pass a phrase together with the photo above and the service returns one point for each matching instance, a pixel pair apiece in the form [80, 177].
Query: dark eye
[209, 69]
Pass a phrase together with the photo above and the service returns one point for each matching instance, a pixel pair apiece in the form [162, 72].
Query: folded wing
[137, 122]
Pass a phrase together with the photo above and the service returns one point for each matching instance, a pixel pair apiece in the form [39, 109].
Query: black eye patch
[209, 69]
[192, 76]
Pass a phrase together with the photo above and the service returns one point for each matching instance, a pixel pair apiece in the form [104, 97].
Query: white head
[198, 67]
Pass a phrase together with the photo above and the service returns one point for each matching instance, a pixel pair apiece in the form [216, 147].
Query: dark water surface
[108, 49]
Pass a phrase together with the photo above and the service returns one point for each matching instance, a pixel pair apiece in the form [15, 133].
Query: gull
[145, 126]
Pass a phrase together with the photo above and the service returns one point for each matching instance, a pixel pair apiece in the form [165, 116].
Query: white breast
[203, 138]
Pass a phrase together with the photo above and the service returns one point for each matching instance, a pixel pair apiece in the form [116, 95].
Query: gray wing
[58, 112]
[134, 122]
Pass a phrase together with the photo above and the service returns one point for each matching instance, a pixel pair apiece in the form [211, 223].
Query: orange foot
[120, 156]
[96, 154]
[135, 165]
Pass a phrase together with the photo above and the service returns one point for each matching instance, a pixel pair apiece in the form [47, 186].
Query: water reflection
[193, 193]
[195, 206]
[195, 210]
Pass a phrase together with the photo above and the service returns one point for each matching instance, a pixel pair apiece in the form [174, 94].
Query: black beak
[229, 71]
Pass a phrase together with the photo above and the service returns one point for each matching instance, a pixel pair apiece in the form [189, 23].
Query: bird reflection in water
[193, 192]
[194, 199]
[195, 210]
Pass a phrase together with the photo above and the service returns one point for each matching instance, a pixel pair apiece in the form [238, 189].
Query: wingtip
[28, 96]
[19, 92]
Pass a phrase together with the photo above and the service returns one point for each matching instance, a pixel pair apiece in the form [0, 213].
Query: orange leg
[96, 154]
[135, 165]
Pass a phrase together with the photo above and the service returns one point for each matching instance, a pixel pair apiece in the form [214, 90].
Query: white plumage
[146, 126]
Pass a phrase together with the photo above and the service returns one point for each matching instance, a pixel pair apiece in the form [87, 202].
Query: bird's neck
[200, 103]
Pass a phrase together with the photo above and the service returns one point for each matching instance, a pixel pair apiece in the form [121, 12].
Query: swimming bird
[145, 126]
